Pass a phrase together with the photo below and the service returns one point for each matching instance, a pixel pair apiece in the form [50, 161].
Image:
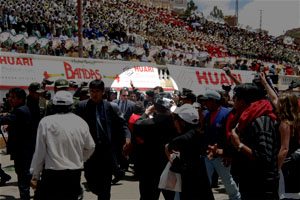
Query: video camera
[274, 78]
[271, 79]
[294, 84]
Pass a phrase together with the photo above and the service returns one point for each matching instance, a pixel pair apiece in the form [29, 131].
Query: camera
[294, 84]
[274, 78]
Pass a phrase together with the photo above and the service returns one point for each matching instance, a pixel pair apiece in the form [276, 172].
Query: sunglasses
[124, 95]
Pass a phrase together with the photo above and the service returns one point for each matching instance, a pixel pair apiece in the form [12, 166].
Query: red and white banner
[19, 70]
[201, 79]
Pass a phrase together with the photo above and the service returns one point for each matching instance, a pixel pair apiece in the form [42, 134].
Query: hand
[5, 128]
[227, 71]
[167, 152]
[263, 79]
[212, 151]
[149, 110]
[235, 139]
[33, 183]
[131, 84]
[127, 148]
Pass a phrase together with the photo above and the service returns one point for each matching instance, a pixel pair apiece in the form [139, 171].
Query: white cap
[188, 113]
[63, 98]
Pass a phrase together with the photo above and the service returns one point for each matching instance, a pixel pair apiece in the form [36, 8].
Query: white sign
[19, 70]
[201, 79]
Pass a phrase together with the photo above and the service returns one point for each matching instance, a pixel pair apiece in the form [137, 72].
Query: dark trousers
[256, 190]
[60, 184]
[24, 177]
[149, 187]
[195, 183]
[2, 173]
[98, 173]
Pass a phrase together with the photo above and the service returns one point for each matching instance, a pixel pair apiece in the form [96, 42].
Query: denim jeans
[224, 173]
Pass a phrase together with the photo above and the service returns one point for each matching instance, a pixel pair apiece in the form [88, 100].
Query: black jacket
[156, 133]
[21, 133]
[98, 168]
[115, 126]
[34, 108]
[195, 183]
[260, 174]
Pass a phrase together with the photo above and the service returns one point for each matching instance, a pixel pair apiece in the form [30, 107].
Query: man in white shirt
[63, 144]
[63, 36]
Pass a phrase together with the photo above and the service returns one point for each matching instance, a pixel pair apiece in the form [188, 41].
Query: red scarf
[255, 110]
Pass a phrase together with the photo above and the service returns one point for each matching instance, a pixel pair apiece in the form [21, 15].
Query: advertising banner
[201, 79]
[19, 70]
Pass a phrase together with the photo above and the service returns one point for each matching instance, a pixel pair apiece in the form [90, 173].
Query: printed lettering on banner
[201, 79]
[19, 70]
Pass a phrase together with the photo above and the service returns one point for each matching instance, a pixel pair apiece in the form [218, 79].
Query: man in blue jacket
[215, 118]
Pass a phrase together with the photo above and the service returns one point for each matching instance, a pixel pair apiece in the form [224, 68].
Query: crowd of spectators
[129, 31]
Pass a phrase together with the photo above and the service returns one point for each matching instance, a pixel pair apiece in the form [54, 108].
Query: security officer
[33, 102]
[188, 96]
[21, 138]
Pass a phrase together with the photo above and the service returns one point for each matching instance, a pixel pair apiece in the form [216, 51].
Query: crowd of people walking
[251, 140]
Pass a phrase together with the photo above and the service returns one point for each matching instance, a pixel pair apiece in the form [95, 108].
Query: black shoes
[118, 176]
[4, 178]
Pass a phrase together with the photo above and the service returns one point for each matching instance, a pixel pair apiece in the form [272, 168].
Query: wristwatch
[240, 147]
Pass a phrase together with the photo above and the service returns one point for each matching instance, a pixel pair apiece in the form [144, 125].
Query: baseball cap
[188, 113]
[211, 94]
[150, 93]
[36, 87]
[63, 98]
[61, 83]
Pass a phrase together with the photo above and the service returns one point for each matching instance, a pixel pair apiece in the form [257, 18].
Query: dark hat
[164, 99]
[61, 83]
[191, 96]
[84, 91]
[150, 93]
[185, 91]
[112, 90]
[177, 92]
[36, 87]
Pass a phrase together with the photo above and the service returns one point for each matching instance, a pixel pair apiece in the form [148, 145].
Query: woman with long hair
[289, 116]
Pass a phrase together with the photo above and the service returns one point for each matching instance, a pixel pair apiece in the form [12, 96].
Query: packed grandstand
[129, 31]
